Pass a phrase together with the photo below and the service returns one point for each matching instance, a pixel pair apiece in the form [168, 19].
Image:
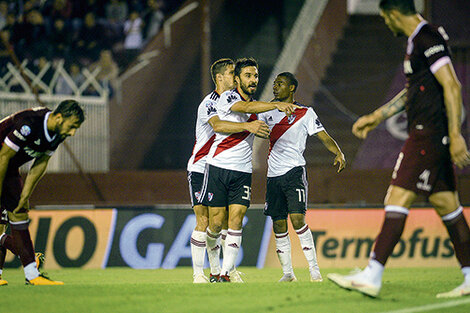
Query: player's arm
[261, 106]
[37, 171]
[370, 121]
[257, 127]
[6, 153]
[453, 102]
[333, 147]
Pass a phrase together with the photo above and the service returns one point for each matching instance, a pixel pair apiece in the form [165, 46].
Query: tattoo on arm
[394, 106]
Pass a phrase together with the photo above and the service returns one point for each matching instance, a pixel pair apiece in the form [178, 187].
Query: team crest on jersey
[25, 130]
[197, 194]
[210, 196]
[231, 98]
[291, 118]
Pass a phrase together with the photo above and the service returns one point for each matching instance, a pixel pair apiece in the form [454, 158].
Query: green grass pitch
[128, 290]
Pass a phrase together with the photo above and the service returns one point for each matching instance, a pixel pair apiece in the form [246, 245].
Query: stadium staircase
[356, 82]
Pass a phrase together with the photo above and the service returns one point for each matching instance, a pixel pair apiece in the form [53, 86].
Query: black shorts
[424, 165]
[286, 194]
[195, 180]
[11, 192]
[223, 187]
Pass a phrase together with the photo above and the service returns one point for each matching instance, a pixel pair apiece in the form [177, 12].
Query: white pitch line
[430, 307]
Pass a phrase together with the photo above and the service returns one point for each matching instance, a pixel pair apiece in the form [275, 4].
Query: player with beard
[207, 124]
[433, 103]
[227, 180]
[32, 134]
[287, 186]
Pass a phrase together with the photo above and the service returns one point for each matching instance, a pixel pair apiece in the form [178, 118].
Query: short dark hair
[290, 78]
[406, 7]
[244, 62]
[68, 108]
[219, 67]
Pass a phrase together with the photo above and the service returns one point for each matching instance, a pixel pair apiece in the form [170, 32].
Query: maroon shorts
[12, 187]
[424, 165]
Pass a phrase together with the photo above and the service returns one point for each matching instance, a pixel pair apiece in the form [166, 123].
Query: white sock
[283, 251]
[308, 247]
[466, 274]
[213, 251]
[223, 235]
[233, 243]
[1, 272]
[198, 249]
[30, 271]
[374, 271]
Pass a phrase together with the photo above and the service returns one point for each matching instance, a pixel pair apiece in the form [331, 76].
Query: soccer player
[287, 186]
[206, 124]
[433, 102]
[32, 134]
[227, 180]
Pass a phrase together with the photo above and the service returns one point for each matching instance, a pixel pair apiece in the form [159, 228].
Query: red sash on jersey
[280, 128]
[204, 149]
[234, 139]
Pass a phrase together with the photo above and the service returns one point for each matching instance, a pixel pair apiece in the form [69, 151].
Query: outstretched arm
[37, 171]
[333, 147]
[370, 121]
[260, 106]
[453, 103]
[257, 127]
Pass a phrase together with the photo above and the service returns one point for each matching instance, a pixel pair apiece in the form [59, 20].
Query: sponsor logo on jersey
[17, 134]
[32, 153]
[210, 196]
[210, 108]
[407, 67]
[25, 130]
[433, 50]
[231, 98]
[318, 123]
[270, 118]
[291, 118]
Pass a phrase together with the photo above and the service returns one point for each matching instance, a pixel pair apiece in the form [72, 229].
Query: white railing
[91, 143]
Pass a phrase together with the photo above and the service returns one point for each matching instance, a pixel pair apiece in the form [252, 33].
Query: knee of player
[280, 226]
[298, 220]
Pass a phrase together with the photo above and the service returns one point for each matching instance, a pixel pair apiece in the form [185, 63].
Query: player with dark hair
[207, 124]
[433, 103]
[227, 180]
[32, 134]
[287, 186]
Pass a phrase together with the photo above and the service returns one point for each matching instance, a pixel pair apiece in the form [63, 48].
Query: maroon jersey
[26, 133]
[426, 52]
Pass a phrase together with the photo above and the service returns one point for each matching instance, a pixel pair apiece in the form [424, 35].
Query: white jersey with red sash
[232, 151]
[288, 137]
[205, 135]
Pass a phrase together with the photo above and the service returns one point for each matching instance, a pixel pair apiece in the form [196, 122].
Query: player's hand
[287, 108]
[259, 128]
[23, 207]
[341, 161]
[459, 152]
[364, 125]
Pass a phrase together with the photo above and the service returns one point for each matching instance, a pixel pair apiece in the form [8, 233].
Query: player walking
[433, 102]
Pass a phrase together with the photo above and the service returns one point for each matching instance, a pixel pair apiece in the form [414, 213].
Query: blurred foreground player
[32, 134]
[287, 185]
[433, 103]
[207, 124]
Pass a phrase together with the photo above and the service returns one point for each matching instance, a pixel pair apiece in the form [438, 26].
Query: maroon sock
[389, 236]
[23, 243]
[7, 242]
[460, 236]
[3, 254]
